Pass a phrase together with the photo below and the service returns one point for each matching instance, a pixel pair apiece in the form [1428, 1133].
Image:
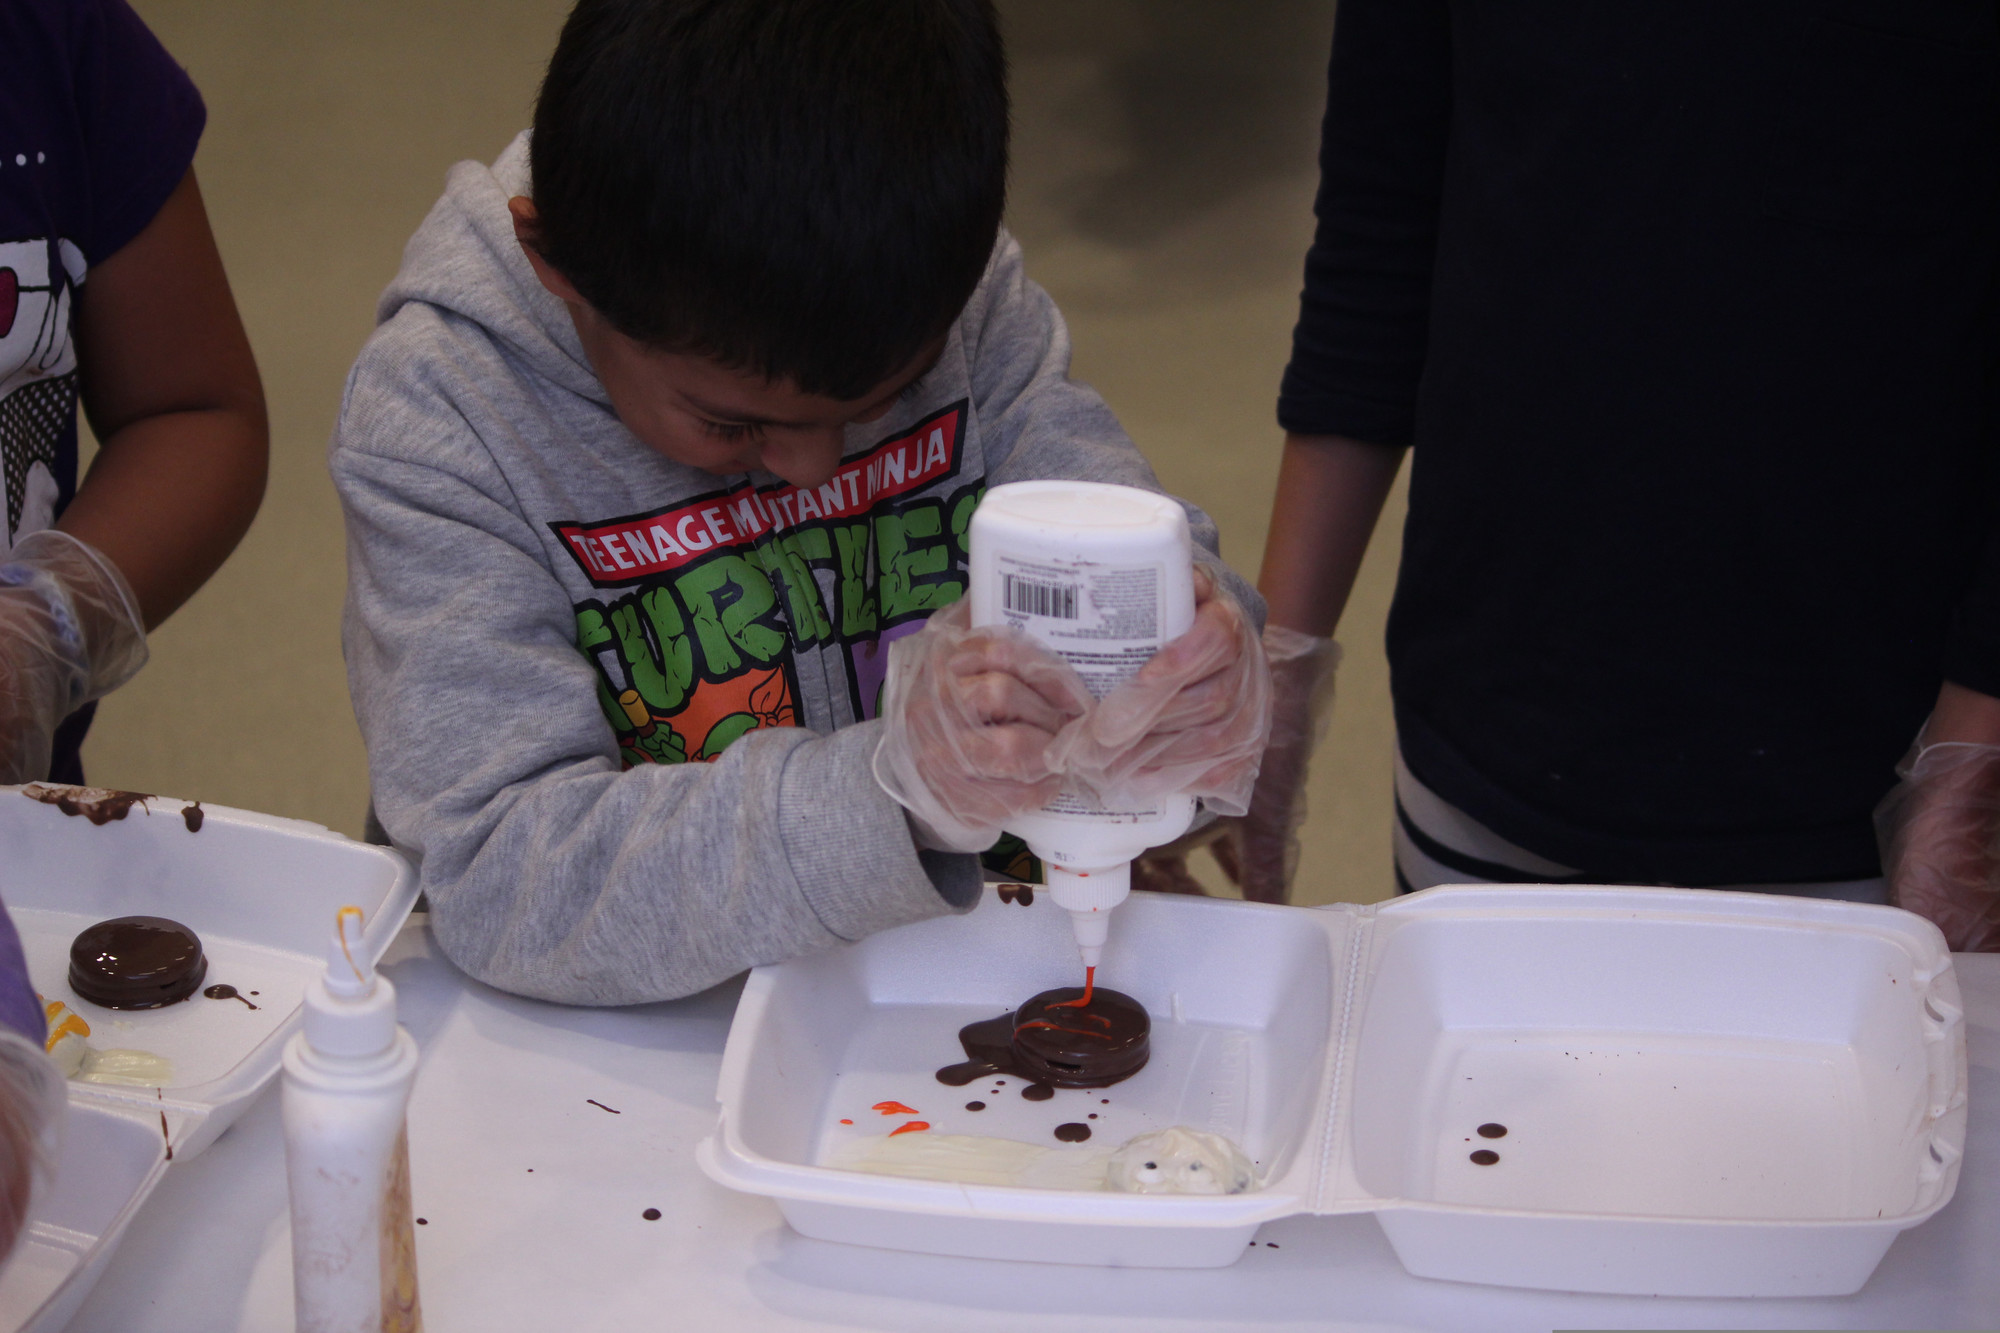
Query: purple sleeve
[20, 1007]
[141, 118]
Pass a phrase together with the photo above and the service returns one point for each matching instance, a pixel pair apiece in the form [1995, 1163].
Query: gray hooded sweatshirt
[620, 708]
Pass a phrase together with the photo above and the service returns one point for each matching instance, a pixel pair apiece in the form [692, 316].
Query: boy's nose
[804, 457]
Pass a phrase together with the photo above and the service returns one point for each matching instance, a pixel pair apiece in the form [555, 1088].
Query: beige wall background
[1163, 183]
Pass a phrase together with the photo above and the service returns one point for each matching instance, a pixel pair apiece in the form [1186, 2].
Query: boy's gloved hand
[70, 632]
[1939, 831]
[970, 715]
[1193, 720]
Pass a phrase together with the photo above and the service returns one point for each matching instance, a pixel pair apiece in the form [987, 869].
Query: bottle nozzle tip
[348, 971]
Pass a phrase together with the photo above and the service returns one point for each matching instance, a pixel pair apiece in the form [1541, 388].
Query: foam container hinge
[1704, 1093]
[261, 892]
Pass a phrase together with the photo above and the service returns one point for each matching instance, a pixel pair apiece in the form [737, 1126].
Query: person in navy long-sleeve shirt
[1686, 314]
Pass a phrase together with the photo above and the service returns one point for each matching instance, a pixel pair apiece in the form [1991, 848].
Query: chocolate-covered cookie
[1058, 1042]
[136, 962]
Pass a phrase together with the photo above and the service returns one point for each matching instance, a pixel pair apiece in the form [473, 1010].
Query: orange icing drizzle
[72, 1024]
[1057, 1027]
[893, 1108]
[1082, 1001]
[910, 1128]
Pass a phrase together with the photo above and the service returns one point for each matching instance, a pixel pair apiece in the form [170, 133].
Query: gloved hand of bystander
[70, 632]
[1259, 850]
[1939, 831]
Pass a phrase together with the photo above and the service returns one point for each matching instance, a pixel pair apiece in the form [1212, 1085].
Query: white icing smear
[125, 1068]
[1169, 1161]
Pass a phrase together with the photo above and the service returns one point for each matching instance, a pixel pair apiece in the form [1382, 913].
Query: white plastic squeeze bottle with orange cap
[347, 1159]
[1103, 576]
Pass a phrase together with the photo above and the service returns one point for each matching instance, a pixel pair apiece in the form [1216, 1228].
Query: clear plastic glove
[33, 1094]
[971, 715]
[70, 632]
[33, 1101]
[1192, 720]
[1259, 851]
[1939, 831]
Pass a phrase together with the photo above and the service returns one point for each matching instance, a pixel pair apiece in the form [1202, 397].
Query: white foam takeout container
[1705, 1093]
[262, 893]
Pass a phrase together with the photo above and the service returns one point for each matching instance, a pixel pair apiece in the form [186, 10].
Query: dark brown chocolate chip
[1491, 1131]
[651, 1214]
[1485, 1157]
[1073, 1132]
[975, 1106]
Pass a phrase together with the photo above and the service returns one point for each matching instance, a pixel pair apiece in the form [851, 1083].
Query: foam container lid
[262, 893]
[1703, 1093]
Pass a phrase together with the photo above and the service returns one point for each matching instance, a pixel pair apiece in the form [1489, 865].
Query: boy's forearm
[1330, 492]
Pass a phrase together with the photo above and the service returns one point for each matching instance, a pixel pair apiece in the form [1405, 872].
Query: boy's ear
[526, 231]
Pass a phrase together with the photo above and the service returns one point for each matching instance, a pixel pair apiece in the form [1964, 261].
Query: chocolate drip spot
[1073, 1132]
[224, 991]
[100, 805]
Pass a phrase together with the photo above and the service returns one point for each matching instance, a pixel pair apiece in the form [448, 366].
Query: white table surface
[533, 1200]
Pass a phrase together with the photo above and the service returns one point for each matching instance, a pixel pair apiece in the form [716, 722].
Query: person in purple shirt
[112, 295]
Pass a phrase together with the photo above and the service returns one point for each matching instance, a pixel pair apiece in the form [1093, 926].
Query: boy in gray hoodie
[672, 423]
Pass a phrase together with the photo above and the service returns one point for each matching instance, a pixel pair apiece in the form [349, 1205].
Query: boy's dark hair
[805, 189]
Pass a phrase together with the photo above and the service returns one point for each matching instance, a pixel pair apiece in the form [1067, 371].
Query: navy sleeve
[140, 117]
[1358, 349]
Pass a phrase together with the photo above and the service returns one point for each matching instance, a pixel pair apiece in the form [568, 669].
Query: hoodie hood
[465, 261]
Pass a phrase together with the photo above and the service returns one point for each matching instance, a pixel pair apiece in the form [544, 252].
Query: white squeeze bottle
[347, 1158]
[1103, 576]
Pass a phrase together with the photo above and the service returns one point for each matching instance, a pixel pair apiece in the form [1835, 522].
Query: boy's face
[701, 413]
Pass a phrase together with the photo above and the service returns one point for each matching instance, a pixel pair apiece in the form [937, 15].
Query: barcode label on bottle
[1056, 601]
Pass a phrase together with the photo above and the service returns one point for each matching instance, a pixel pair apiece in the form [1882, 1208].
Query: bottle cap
[1090, 888]
[349, 1011]
[1089, 895]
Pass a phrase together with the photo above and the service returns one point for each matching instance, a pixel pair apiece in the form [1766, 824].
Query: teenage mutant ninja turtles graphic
[38, 282]
[714, 603]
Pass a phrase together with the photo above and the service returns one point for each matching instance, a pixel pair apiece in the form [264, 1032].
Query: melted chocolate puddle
[1053, 1042]
[224, 991]
[1023, 894]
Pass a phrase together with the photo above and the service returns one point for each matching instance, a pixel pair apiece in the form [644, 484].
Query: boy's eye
[730, 430]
